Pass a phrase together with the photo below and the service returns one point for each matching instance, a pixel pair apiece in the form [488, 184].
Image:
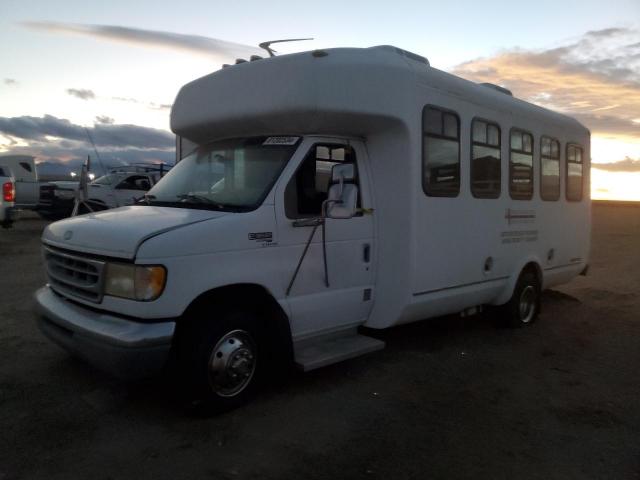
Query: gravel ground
[448, 397]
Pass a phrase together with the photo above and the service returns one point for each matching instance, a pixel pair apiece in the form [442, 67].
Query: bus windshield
[231, 175]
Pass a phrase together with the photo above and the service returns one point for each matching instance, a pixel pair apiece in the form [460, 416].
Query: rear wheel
[524, 306]
[221, 361]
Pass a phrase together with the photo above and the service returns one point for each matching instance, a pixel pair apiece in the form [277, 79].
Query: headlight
[137, 282]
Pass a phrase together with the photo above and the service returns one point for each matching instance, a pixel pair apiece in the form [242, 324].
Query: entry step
[324, 351]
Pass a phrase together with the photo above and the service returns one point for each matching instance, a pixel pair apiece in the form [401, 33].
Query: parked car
[25, 173]
[122, 186]
[56, 199]
[7, 199]
[119, 189]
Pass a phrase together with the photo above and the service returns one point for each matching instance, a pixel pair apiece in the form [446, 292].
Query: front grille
[73, 275]
[46, 194]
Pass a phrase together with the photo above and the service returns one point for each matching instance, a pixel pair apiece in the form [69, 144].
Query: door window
[135, 182]
[309, 186]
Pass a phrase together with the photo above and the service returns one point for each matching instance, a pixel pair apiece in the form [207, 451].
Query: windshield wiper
[146, 198]
[197, 198]
[193, 198]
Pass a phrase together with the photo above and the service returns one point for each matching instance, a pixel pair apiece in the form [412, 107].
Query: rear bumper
[7, 215]
[122, 347]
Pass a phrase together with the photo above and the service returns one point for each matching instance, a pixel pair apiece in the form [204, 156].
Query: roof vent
[240, 60]
[253, 58]
[405, 53]
[498, 88]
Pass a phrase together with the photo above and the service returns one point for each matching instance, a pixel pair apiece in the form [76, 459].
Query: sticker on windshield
[281, 141]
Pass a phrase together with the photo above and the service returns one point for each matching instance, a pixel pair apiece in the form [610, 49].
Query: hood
[119, 232]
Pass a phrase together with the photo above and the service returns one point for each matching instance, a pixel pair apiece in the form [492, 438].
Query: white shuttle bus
[325, 191]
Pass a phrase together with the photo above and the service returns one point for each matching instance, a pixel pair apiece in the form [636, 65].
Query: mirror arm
[320, 221]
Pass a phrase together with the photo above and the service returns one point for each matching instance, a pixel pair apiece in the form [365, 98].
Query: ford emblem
[68, 234]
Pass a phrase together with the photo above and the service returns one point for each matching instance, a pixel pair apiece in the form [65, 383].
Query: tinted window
[440, 152]
[485, 159]
[26, 166]
[106, 179]
[521, 165]
[135, 182]
[574, 173]
[549, 168]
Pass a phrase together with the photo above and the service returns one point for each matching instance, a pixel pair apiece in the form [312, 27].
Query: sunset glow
[118, 74]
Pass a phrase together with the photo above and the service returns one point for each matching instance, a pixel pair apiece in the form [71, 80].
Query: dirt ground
[448, 398]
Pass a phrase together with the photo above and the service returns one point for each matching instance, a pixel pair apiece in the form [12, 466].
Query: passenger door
[350, 253]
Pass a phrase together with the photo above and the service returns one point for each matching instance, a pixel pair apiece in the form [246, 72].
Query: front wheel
[524, 306]
[220, 361]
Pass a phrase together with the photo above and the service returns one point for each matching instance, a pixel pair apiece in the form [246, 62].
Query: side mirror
[344, 172]
[342, 198]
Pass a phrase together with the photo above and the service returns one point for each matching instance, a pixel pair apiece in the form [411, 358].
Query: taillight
[8, 192]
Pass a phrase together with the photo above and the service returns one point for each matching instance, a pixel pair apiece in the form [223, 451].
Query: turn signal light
[8, 192]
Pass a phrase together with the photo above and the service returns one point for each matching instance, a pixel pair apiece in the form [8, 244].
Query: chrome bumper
[122, 347]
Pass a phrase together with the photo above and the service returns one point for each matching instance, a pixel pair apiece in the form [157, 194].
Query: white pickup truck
[118, 188]
[8, 197]
[25, 175]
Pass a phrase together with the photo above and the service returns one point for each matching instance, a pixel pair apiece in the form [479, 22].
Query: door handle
[488, 264]
[366, 253]
[307, 222]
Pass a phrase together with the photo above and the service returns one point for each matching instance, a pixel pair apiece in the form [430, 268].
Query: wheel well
[260, 301]
[535, 269]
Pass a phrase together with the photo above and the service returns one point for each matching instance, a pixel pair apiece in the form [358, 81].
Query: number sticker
[281, 141]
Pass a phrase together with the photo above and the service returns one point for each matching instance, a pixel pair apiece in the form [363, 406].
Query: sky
[112, 69]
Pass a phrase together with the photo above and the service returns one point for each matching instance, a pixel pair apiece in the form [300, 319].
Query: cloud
[152, 105]
[104, 119]
[160, 106]
[104, 135]
[595, 78]
[58, 141]
[81, 93]
[10, 81]
[605, 32]
[150, 38]
[60, 159]
[626, 165]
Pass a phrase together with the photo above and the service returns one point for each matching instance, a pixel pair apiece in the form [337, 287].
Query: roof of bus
[348, 90]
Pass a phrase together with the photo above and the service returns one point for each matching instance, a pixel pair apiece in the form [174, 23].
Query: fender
[507, 292]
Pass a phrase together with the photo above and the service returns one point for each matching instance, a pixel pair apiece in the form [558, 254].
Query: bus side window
[485, 159]
[440, 152]
[549, 168]
[574, 173]
[521, 165]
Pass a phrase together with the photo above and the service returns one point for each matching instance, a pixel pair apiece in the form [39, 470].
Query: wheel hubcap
[527, 304]
[232, 363]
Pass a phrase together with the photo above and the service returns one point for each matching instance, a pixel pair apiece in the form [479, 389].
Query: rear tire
[221, 362]
[524, 306]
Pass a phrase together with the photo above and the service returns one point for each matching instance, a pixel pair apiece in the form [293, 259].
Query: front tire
[221, 361]
[524, 306]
